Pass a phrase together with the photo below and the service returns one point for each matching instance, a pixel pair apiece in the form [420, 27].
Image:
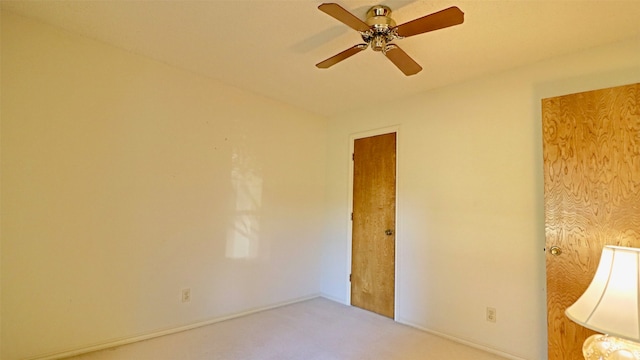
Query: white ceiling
[270, 47]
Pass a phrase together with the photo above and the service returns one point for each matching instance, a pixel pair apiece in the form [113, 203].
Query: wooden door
[591, 195]
[374, 217]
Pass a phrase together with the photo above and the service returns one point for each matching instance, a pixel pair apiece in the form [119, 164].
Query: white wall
[125, 181]
[471, 219]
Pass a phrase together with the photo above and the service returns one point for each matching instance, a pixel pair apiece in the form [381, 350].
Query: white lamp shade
[611, 303]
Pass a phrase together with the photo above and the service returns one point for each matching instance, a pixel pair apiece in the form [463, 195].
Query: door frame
[352, 138]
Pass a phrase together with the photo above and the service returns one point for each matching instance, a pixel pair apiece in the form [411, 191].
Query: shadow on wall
[243, 238]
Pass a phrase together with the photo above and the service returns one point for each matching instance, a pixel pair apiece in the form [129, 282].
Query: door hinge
[351, 216]
[353, 156]
[349, 277]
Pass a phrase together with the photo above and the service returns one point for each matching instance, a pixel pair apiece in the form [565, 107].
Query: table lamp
[611, 306]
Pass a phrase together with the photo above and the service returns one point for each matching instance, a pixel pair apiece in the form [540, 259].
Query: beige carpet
[317, 329]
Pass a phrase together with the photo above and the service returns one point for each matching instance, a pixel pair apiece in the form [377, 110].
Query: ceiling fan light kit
[379, 30]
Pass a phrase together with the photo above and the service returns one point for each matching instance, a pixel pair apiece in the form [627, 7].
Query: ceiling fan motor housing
[379, 18]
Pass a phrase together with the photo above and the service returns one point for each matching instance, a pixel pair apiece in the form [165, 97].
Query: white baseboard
[334, 299]
[462, 341]
[146, 336]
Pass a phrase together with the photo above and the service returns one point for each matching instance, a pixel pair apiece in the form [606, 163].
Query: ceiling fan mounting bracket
[379, 16]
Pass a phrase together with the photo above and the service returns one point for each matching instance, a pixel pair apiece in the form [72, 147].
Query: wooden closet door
[374, 223]
[591, 197]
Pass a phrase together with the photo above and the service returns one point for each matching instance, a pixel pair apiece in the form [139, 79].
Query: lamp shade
[611, 303]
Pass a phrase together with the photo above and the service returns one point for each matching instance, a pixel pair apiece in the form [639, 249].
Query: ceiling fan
[379, 30]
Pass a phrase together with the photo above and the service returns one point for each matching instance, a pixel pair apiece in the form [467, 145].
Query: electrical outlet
[491, 314]
[186, 295]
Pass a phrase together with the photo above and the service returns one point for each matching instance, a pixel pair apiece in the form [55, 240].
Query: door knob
[388, 232]
[555, 251]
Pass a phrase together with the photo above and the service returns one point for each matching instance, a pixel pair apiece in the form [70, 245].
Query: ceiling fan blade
[403, 61]
[439, 20]
[341, 56]
[339, 13]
